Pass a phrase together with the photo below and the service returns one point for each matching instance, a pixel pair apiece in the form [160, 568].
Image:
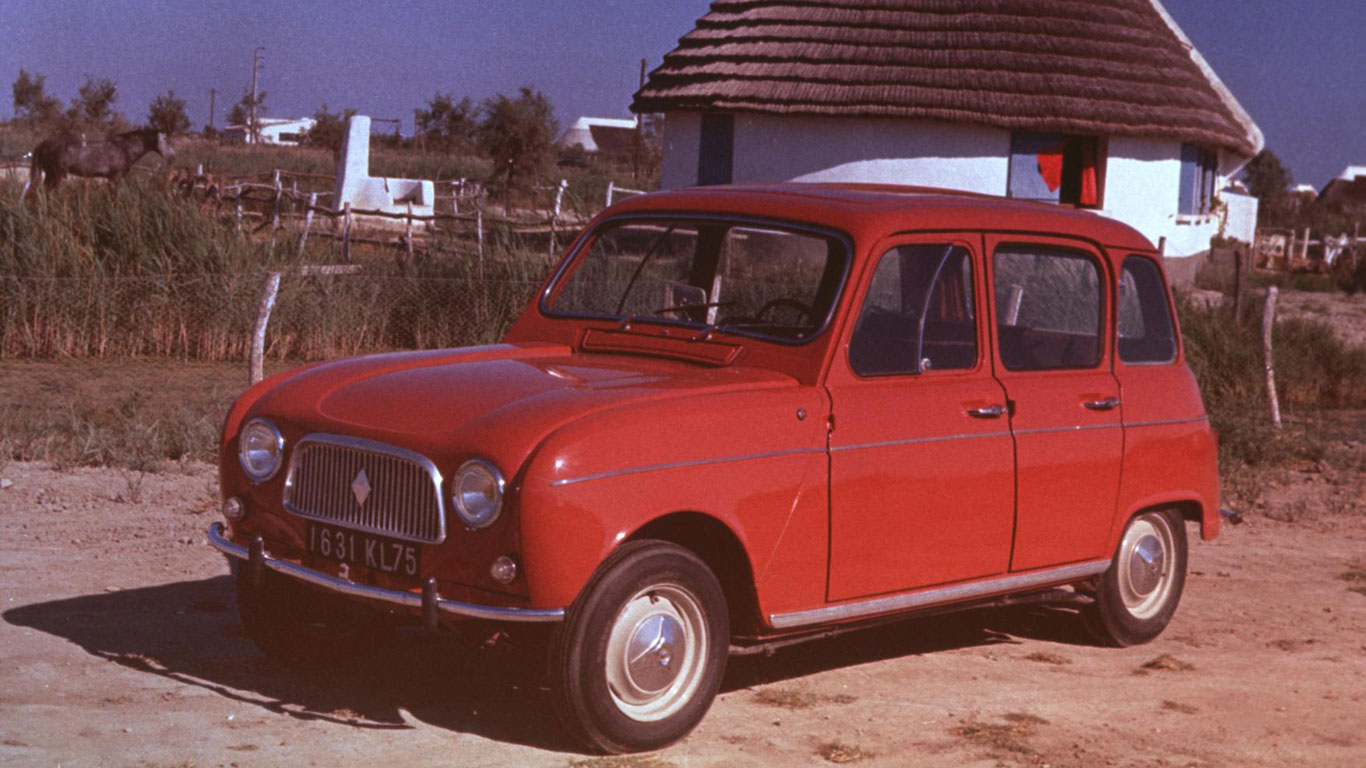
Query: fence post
[479, 236]
[258, 336]
[408, 230]
[1237, 285]
[346, 231]
[1268, 321]
[239, 210]
[611, 186]
[308, 222]
[455, 199]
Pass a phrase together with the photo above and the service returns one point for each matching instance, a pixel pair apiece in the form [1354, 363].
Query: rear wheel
[301, 628]
[1139, 593]
[640, 656]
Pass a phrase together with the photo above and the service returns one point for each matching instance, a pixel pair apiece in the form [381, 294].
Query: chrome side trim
[1077, 428]
[381, 449]
[918, 440]
[952, 594]
[397, 597]
[680, 464]
[1165, 422]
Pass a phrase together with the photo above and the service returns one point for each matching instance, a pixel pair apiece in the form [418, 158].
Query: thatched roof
[1095, 67]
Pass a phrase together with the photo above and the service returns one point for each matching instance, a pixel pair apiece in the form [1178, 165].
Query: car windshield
[745, 278]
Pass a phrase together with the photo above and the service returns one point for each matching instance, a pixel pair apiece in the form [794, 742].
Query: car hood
[446, 401]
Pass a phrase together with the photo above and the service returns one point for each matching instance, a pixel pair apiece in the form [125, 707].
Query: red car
[735, 417]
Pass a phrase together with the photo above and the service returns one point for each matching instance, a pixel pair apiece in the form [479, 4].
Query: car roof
[874, 210]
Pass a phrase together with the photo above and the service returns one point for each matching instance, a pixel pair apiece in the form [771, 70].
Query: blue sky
[1298, 67]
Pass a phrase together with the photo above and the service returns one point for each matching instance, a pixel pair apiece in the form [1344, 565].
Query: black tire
[301, 628]
[1138, 595]
[663, 601]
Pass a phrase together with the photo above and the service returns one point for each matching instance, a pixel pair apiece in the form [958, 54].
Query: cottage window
[1056, 169]
[716, 150]
[1199, 168]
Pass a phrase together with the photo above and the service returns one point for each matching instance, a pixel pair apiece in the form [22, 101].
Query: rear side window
[1048, 307]
[918, 315]
[1146, 331]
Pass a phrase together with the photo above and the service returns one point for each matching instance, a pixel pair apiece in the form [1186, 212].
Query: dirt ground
[122, 647]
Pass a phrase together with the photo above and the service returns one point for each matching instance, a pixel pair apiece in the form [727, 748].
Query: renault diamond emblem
[361, 488]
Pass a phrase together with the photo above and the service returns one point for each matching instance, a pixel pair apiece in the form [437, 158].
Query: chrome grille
[403, 499]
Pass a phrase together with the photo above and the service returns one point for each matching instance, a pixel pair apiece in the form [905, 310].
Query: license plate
[360, 548]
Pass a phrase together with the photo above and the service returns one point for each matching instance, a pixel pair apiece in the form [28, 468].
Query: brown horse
[60, 156]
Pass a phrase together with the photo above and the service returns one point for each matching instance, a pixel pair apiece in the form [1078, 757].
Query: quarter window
[1048, 308]
[1146, 332]
[918, 315]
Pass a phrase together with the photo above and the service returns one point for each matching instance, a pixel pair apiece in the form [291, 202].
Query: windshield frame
[666, 217]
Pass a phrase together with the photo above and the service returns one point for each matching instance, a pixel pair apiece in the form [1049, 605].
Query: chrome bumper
[428, 601]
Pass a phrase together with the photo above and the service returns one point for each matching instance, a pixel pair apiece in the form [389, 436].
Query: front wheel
[640, 656]
[1139, 593]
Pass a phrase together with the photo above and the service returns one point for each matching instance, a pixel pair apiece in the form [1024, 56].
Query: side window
[1048, 307]
[1146, 331]
[918, 314]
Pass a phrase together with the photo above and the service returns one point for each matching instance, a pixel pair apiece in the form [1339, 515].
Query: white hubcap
[1146, 570]
[656, 652]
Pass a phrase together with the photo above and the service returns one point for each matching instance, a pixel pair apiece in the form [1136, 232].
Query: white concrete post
[308, 222]
[353, 161]
[258, 336]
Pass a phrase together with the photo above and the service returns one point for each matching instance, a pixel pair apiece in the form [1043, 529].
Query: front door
[921, 460]
[1049, 304]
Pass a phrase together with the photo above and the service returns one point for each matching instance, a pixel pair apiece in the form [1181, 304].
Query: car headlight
[260, 449]
[477, 492]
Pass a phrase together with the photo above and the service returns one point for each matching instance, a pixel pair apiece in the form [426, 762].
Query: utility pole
[252, 129]
[638, 151]
[213, 95]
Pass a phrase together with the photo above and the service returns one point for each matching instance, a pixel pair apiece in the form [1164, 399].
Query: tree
[95, 101]
[240, 114]
[447, 125]
[1269, 181]
[31, 101]
[328, 128]
[518, 134]
[167, 114]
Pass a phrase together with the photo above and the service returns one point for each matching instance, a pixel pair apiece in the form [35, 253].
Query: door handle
[987, 412]
[1108, 404]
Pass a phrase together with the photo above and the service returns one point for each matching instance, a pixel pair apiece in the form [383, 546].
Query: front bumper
[428, 601]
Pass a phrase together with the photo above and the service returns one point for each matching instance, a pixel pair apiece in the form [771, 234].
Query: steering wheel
[805, 309]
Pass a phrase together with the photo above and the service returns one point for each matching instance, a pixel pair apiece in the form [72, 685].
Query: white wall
[876, 151]
[1142, 178]
[682, 138]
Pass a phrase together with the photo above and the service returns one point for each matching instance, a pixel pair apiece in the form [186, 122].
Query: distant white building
[281, 131]
[598, 134]
[1103, 106]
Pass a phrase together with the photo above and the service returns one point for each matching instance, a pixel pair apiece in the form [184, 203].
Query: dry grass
[1176, 706]
[1168, 663]
[625, 761]
[799, 698]
[1045, 657]
[1010, 736]
[1355, 576]
[842, 754]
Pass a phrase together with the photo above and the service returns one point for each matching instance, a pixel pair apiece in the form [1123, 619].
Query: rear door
[921, 460]
[1050, 306]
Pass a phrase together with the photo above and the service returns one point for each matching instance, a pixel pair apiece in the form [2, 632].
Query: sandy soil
[122, 647]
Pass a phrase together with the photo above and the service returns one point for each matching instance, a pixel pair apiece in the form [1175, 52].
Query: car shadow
[908, 637]
[190, 632]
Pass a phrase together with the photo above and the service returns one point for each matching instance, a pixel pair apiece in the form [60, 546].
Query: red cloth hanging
[1050, 166]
